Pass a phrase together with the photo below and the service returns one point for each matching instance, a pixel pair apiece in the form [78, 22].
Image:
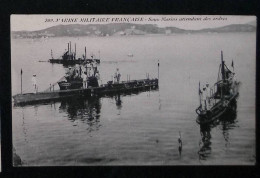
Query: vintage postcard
[91, 90]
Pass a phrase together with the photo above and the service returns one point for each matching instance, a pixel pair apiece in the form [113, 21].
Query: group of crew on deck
[91, 73]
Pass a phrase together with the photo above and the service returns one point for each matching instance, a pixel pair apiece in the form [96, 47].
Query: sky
[194, 22]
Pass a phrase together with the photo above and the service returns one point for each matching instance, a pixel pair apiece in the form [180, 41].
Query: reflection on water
[85, 110]
[180, 144]
[24, 128]
[118, 102]
[205, 143]
[225, 123]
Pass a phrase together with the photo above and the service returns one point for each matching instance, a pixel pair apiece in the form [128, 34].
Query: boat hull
[72, 62]
[217, 111]
[107, 89]
[30, 98]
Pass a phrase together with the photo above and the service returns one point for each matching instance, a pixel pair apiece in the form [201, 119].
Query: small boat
[220, 98]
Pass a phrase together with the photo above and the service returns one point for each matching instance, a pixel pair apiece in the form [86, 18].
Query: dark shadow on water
[118, 102]
[180, 148]
[84, 110]
[205, 143]
[88, 110]
[225, 123]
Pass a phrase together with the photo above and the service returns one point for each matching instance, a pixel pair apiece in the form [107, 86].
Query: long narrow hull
[108, 89]
[72, 62]
[218, 110]
[29, 98]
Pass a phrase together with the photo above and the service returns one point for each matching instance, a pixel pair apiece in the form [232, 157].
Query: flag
[21, 71]
[232, 64]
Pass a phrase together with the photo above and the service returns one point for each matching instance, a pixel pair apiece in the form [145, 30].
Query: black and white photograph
[112, 90]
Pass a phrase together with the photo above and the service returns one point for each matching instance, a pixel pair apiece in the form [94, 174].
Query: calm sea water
[143, 128]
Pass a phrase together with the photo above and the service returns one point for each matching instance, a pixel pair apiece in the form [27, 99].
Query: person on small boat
[34, 83]
[204, 98]
[207, 94]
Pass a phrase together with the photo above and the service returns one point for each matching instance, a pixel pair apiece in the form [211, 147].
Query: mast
[21, 81]
[68, 47]
[232, 64]
[200, 93]
[221, 94]
[158, 71]
[85, 52]
[223, 67]
[75, 51]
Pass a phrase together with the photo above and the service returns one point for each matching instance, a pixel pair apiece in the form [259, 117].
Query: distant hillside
[232, 28]
[121, 29]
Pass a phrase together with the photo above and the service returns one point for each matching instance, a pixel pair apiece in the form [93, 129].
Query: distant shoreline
[144, 35]
[76, 30]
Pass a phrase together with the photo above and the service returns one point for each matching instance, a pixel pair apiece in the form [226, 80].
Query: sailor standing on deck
[204, 98]
[91, 70]
[117, 76]
[87, 72]
[86, 75]
[34, 83]
[85, 78]
[94, 64]
[208, 94]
